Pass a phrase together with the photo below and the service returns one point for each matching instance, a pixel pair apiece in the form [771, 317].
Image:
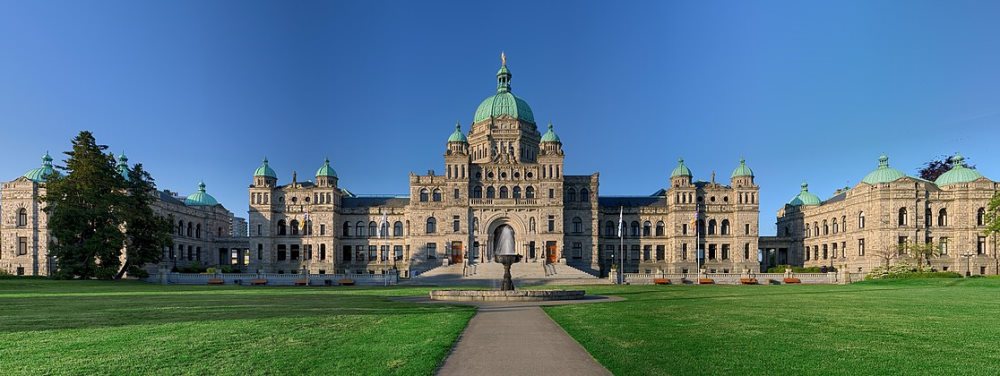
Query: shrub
[912, 275]
[799, 269]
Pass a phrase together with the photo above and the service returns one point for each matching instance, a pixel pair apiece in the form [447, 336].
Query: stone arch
[495, 221]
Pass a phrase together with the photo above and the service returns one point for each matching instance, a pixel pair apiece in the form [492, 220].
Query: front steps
[489, 274]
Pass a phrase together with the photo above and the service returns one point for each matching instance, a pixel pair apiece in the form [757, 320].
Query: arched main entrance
[491, 235]
[502, 241]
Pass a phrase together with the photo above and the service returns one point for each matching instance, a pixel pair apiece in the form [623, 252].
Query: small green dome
[742, 170]
[503, 102]
[804, 197]
[123, 166]
[680, 170]
[201, 198]
[265, 170]
[883, 174]
[326, 170]
[958, 173]
[457, 135]
[550, 136]
[41, 174]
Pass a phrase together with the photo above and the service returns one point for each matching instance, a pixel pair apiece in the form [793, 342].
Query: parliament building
[507, 172]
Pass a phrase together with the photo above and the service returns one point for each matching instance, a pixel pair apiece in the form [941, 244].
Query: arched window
[423, 195]
[725, 227]
[577, 225]
[816, 229]
[836, 228]
[861, 220]
[571, 194]
[282, 229]
[902, 218]
[385, 229]
[189, 229]
[372, 229]
[347, 228]
[711, 227]
[437, 195]
[647, 228]
[826, 228]
[503, 192]
[197, 231]
[180, 228]
[659, 228]
[531, 224]
[477, 192]
[397, 229]
[943, 217]
[516, 192]
[431, 225]
[843, 223]
[491, 192]
[584, 195]
[359, 229]
[981, 217]
[294, 224]
[609, 228]
[22, 217]
[635, 229]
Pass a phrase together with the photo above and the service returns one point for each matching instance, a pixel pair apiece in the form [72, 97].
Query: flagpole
[697, 241]
[621, 247]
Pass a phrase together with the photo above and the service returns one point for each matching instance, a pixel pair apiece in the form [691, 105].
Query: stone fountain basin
[505, 296]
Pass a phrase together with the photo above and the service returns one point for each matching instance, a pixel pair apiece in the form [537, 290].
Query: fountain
[506, 254]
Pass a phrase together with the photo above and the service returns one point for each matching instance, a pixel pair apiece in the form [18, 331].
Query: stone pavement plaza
[518, 338]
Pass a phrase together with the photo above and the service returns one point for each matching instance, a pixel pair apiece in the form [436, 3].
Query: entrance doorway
[550, 252]
[456, 252]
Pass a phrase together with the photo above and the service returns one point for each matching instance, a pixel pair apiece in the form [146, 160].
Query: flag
[378, 232]
[621, 222]
[694, 221]
[305, 221]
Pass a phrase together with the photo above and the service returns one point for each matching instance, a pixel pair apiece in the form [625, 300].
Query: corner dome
[326, 170]
[504, 102]
[41, 174]
[883, 174]
[804, 197]
[457, 135]
[550, 136]
[742, 170]
[265, 170]
[201, 198]
[680, 170]
[958, 173]
[123, 166]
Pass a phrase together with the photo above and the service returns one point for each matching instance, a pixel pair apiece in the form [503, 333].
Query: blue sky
[805, 91]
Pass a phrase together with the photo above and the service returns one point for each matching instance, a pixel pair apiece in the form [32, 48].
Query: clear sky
[805, 91]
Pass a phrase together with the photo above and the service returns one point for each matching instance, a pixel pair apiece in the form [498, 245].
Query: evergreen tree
[993, 218]
[83, 210]
[146, 234]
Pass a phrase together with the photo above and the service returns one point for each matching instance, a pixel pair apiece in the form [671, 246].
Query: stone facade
[861, 227]
[203, 234]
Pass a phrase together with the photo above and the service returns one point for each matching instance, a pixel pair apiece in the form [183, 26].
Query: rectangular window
[725, 251]
[861, 247]
[385, 253]
[308, 251]
[552, 193]
[609, 252]
[457, 193]
[322, 252]
[982, 270]
[346, 253]
[747, 227]
[431, 251]
[944, 246]
[684, 252]
[981, 245]
[295, 252]
[647, 251]
[455, 223]
[634, 255]
[359, 253]
[684, 229]
[397, 252]
[372, 253]
[322, 229]
[258, 230]
[22, 246]
[577, 250]
[746, 251]
[552, 223]
[660, 252]
[281, 252]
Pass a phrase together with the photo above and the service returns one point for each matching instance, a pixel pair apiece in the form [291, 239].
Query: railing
[503, 201]
[274, 279]
[732, 278]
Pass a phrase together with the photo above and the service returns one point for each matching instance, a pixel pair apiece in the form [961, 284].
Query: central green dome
[503, 102]
[804, 197]
[883, 174]
[958, 173]
[201, 198]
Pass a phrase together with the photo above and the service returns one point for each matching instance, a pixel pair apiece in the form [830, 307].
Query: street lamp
[968, 257]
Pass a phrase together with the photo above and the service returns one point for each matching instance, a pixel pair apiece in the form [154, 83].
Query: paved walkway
[519, 339]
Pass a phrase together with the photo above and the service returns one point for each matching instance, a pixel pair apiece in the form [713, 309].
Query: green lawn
[90, 327]
[943, 326]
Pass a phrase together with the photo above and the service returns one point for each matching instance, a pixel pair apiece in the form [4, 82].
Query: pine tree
[146, 233]
[82, 207]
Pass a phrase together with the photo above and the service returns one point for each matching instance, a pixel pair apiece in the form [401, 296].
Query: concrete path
[519, 339]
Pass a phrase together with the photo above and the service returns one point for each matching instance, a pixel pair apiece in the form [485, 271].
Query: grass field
[907, 327]
[90, 327]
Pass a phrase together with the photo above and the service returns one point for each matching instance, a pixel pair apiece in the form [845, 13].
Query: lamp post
[968, 268]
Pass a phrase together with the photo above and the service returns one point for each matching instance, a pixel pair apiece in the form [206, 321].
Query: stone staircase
[490, 274]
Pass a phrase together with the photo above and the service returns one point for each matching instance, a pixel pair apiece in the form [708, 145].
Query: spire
[958, 160]
[883, 161]
[503, 75]
[805, 187]
[201, 187]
